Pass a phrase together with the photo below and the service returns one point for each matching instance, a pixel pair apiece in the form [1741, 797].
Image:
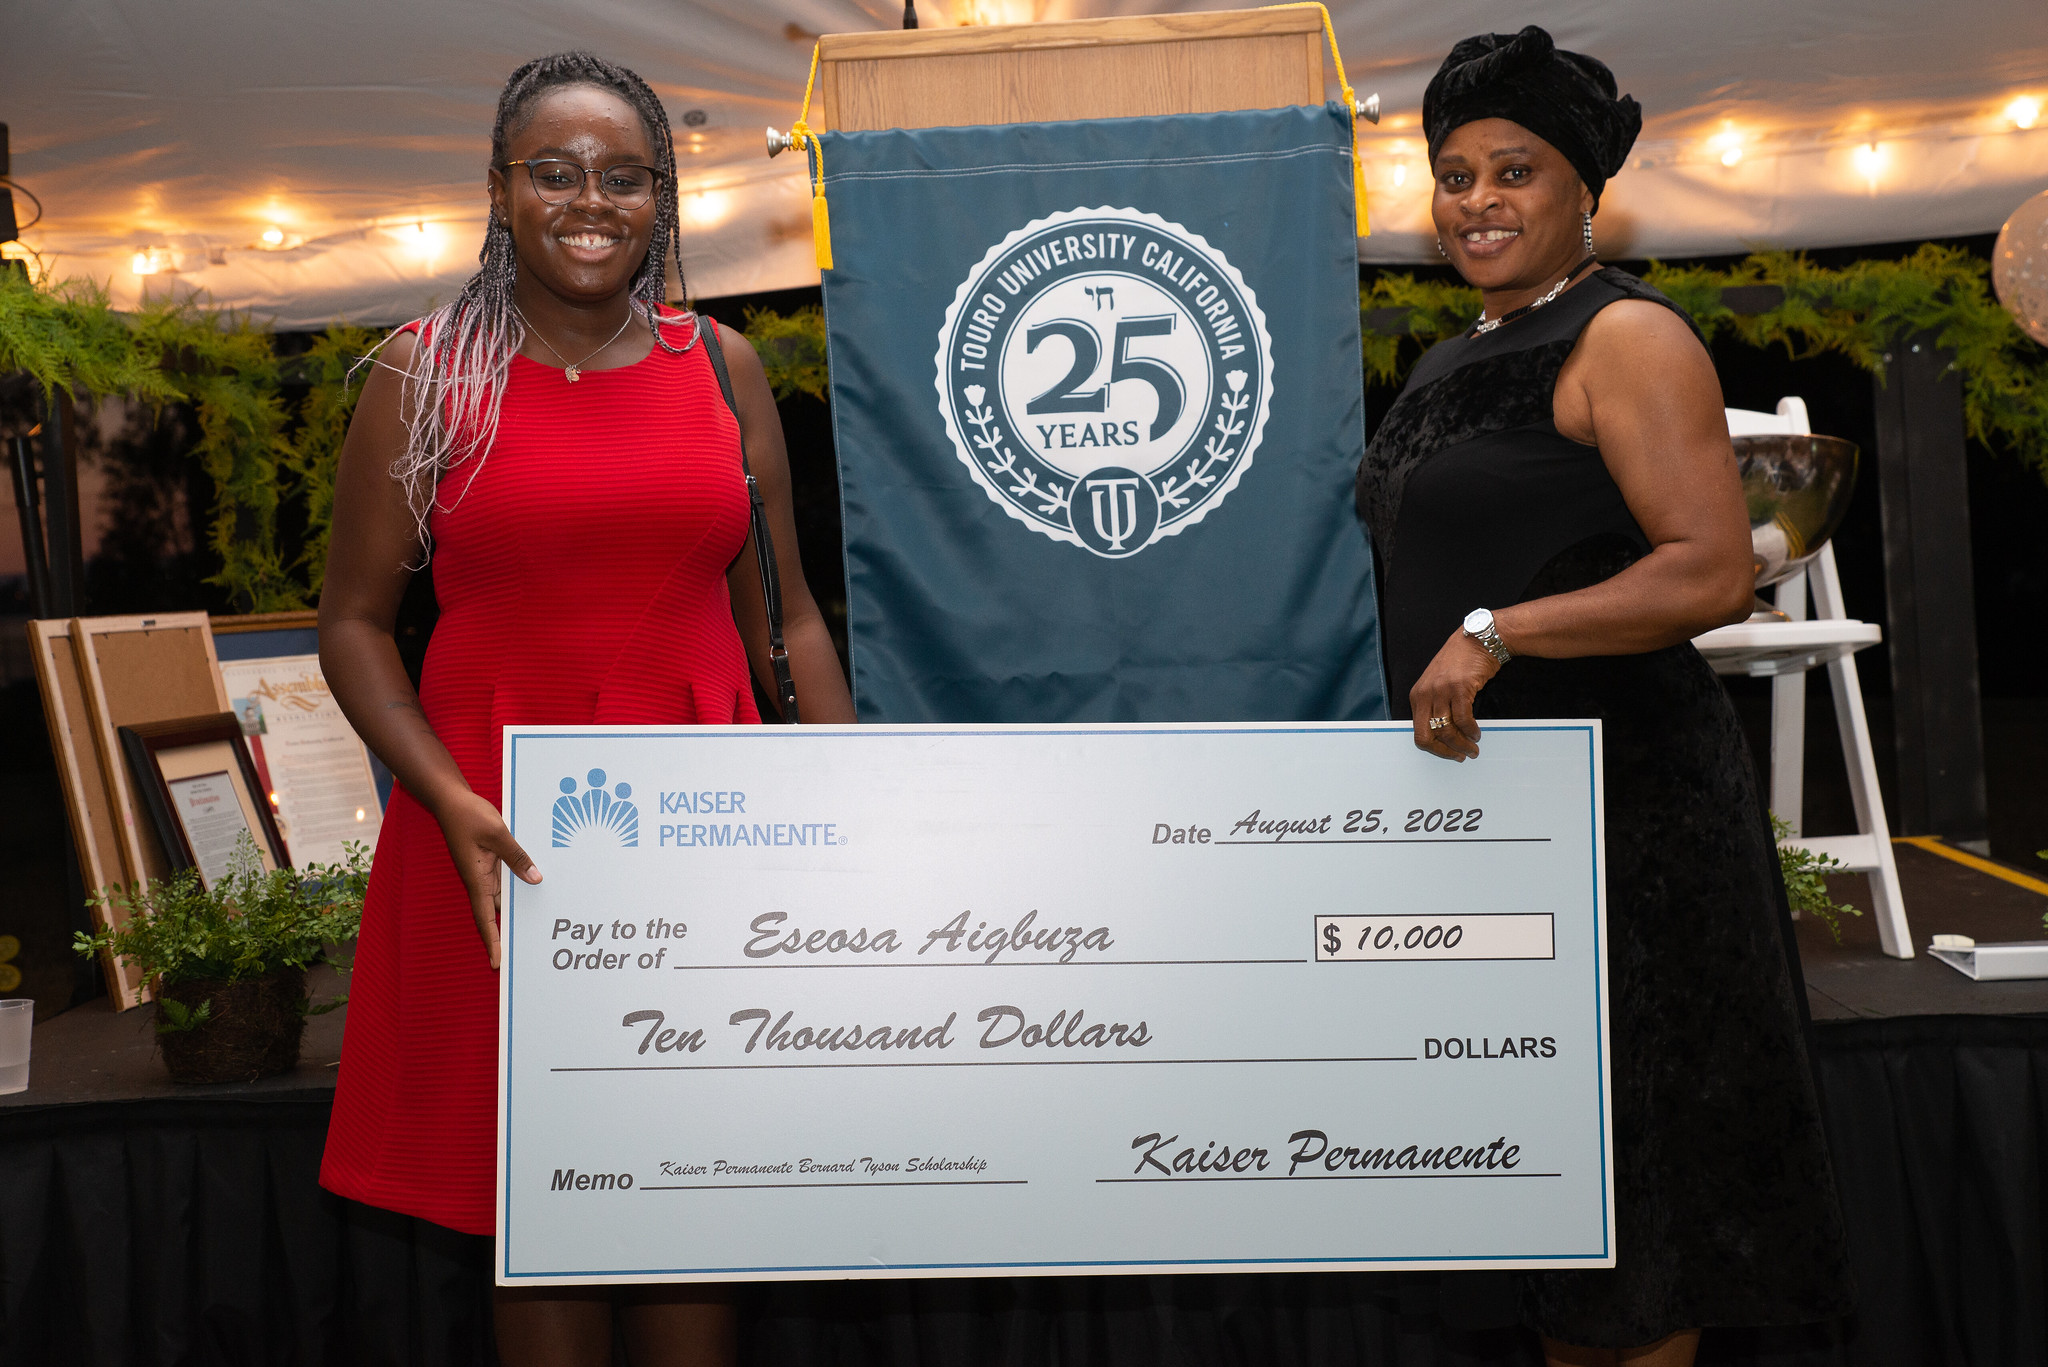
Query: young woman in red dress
[556, 440]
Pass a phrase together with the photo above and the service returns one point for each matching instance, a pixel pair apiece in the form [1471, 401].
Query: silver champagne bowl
[1798, 489]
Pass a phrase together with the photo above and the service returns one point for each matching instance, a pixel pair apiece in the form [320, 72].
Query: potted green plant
[228, 963]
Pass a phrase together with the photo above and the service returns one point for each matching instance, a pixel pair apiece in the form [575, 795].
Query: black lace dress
[1726, 1207]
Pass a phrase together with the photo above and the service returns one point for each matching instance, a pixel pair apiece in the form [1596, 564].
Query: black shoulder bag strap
[764, 545]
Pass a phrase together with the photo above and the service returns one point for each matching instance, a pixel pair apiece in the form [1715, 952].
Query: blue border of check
[1599, 1003]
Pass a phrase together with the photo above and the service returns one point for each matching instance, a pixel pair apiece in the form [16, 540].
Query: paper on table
[213, 819]
[1993, 962]
[308, 756]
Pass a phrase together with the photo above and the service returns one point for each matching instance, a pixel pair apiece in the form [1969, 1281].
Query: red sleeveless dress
[580, 569]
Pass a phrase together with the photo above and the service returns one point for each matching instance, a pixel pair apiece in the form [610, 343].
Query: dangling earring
[1440, 249]
[1589, 234]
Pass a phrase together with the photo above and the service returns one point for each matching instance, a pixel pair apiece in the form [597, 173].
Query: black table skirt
[193, 1232]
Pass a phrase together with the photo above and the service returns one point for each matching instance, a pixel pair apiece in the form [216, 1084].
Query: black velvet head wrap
[1565, 98]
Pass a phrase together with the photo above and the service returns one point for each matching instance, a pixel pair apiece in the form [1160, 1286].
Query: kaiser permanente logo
[594, 818]
[725, 824]
[1105, 376]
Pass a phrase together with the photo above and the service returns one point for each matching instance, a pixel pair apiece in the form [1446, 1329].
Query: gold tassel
[821, 229]
[1357, 190]
[804, 140]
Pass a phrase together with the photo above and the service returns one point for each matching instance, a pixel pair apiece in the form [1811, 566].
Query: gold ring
[1439, 723]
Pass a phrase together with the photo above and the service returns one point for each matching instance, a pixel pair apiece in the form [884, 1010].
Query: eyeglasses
[559, 182]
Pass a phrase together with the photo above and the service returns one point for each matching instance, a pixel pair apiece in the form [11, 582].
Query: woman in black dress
[1557, 511]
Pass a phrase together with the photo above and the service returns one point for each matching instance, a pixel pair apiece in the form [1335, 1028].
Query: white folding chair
[1783, 651]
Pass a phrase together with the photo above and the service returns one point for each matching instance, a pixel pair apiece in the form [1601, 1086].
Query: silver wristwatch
[1479, 626]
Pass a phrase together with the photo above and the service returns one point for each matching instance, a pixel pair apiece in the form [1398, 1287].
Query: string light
[423, 240]
[1396, 159]
[977, 12]
[707, 208]
[1727, 146]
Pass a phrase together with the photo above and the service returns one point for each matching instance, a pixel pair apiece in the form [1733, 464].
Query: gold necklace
[573, 370]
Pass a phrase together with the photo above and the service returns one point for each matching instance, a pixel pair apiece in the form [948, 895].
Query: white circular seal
[1105, 375]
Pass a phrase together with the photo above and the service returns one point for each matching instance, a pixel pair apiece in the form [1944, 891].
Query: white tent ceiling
[184, 129]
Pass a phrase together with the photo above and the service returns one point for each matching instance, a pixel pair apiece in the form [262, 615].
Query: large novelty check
[915, 1001]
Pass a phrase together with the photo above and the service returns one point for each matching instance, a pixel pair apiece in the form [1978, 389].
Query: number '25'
[1067, 396]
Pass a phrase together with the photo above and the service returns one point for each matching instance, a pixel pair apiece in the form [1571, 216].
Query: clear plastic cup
[16, 1015]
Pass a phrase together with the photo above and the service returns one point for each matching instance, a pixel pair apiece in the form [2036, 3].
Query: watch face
[1478, 620]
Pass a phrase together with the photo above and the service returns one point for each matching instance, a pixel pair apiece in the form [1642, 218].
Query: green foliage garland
[227, 370]
[1865, 308]
[1405, 317]
[792, 349]
[1859, 312]
[68, 338]
[259, 451]
[330, 365]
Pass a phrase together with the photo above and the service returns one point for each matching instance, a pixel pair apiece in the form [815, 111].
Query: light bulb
[1731, 156]
[1728, 145]
[273, 236]
[2024, 112]
[707, 208]
[425, 239]
[1870, 161]
[143, 264]
[1400, 173]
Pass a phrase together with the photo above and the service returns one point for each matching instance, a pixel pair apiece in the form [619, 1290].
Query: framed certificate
[918, 1001]
[308, 758]
[202, 792]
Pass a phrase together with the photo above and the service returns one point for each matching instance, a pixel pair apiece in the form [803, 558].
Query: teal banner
[1098, 403]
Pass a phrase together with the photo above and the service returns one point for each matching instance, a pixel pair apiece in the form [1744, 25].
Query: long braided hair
[456, 384]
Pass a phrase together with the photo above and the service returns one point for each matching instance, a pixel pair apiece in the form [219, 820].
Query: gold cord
[804, 140]
[1351, 108]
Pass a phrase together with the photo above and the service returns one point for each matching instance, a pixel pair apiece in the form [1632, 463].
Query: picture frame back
[134, 670]
[88, 804]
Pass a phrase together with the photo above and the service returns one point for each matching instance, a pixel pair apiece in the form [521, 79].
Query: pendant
[573, 373]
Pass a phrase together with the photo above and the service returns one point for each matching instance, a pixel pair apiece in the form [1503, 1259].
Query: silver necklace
[1486, 325]
[573, 370]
